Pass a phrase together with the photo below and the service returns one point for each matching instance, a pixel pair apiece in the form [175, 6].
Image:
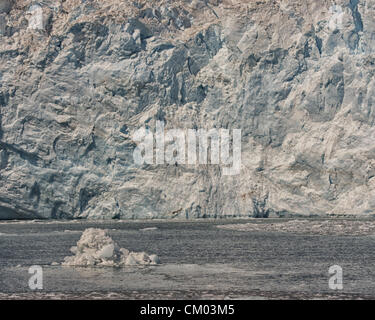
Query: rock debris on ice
[97, 248]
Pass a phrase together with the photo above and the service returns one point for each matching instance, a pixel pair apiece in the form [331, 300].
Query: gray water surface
[198, 259]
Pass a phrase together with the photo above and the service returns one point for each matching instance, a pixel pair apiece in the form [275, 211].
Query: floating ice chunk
[149, 229]
[155, 259]
[96, 248]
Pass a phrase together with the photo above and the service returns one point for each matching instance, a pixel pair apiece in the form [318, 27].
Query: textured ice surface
[298, 85]
[326, 227]
[97, 248]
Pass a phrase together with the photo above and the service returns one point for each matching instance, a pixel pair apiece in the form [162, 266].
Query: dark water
[198, 261]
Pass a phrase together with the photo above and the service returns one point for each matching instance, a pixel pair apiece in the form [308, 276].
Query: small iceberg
[97, 248]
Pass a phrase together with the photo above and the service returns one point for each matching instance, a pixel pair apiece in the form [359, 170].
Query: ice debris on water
[318, 227]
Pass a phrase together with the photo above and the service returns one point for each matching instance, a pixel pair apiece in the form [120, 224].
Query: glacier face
[297, 77]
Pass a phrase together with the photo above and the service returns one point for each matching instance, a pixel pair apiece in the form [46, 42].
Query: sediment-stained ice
[97, 248]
